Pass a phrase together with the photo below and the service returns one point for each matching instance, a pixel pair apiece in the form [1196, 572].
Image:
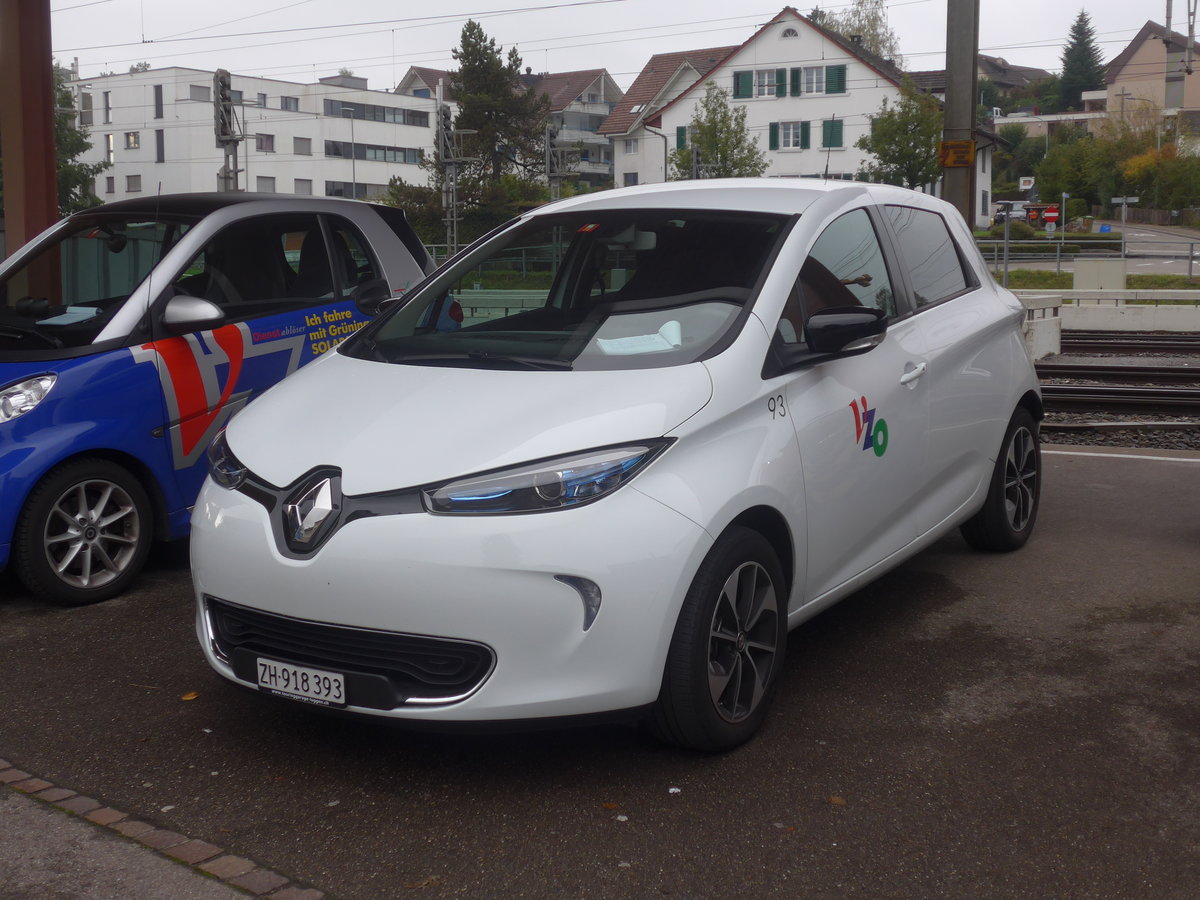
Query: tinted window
[67, 292]
[260, 266]
[929, 253]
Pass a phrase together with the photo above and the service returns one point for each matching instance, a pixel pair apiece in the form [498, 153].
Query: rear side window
[934, 265]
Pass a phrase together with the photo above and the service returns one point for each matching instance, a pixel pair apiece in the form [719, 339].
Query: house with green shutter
[809, 94]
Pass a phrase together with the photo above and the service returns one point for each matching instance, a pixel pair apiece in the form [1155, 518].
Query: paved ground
[970, 725]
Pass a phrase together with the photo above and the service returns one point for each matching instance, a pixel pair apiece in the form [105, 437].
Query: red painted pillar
[27, 120]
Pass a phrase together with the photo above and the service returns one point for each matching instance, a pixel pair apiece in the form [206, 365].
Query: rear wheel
[84, 534]
[727, 651]
[1009, 513]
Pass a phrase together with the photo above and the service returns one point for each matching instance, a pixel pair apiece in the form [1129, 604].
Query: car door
[284, 283]
[972, 348]
[860, 420]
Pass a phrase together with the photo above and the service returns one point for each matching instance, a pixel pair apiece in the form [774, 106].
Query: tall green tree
[76, 179]
[719, 139]
[507, 119]
[866, 19]
[903, 139]
[1082, 65]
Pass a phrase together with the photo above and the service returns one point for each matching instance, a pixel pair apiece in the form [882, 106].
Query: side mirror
[185, 313]
[845, 330]
[373, 297]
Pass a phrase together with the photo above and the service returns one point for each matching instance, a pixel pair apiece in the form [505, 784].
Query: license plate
[300, 683]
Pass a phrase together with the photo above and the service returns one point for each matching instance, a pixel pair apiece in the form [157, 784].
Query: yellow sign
[956, 154]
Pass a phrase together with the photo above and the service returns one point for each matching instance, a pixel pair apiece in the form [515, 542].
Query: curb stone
[207, 859]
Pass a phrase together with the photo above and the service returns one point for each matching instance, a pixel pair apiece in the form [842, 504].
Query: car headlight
[18, 399]
[225, 468]
[542, 486]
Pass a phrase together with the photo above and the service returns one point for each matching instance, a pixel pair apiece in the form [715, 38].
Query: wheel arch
[771, 524]
[1033, 402]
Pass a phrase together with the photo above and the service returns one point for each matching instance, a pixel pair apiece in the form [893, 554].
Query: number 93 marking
[776, 407]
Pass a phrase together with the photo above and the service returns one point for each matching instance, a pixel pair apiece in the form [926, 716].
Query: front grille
[415, 668]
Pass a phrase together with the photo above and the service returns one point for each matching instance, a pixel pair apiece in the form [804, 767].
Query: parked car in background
[130, 333]
[1012, 210]
[666, 424]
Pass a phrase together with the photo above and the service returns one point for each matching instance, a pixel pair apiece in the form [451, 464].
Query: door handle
[914, 373]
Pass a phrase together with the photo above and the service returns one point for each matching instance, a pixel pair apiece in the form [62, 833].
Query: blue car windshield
[615, 289]
[64, 294]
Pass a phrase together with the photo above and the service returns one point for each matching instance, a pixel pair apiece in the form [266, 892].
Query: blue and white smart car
[129, 334]
[669, 423]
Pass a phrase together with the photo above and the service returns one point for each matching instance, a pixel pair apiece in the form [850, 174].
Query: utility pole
[554, 163]
[958, 134]
[227, 130]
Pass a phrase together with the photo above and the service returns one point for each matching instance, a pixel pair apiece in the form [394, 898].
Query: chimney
[856, 38]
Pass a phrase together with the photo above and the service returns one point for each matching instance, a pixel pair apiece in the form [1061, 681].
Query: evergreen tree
[904, 140]
[508, 119]
[720, 140]
[1082, 69]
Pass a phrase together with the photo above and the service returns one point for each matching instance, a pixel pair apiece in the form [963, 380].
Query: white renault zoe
[606, 457]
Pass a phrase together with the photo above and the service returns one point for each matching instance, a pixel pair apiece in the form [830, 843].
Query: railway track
[1129, 342]
[1131, 375]
[1142, 404]
[1122, 398]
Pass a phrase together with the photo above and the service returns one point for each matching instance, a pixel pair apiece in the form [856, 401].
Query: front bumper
[483, 581]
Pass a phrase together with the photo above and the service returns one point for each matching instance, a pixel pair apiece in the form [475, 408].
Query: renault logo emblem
[304, 516]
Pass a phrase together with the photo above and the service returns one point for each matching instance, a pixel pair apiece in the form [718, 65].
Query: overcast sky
[303, 40]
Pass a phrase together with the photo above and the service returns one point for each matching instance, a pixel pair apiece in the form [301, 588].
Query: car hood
[394, 426]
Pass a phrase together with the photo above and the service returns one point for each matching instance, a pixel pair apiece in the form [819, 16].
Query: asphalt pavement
[970, 725]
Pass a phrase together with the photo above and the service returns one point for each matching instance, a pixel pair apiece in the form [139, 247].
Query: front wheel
[727, 652]
[1009, 513]
[84, 534]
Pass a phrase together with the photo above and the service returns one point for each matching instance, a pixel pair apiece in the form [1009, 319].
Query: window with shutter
[797, 78]
[743, 85]
[680, 137]
[831, 133]
[805, 135]
[773, 136]
[835, 79]
[781, 82]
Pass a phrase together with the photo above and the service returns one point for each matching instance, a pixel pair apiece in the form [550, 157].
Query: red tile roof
[650, 82]
[563, 88]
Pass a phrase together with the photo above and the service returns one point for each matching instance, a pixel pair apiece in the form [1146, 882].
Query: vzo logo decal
[865, 423]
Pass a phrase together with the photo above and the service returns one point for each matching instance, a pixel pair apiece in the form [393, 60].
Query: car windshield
[585, 290]
[64, 294]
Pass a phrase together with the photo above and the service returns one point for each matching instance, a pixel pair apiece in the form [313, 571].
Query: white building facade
[807, 98]
[808, 93]
[155, 128]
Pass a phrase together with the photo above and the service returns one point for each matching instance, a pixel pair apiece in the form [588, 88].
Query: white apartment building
[334, 138]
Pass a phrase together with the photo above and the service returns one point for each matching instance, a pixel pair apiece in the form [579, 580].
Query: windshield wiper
[21, 331]
[531, 362]
[482, 357]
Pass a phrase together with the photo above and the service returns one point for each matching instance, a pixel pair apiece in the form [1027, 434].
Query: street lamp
[353, 154]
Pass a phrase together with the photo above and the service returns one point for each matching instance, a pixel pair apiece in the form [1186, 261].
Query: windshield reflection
[66, 292]
[587, 290]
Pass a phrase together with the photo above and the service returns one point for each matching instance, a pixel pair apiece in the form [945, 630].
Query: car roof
[776, 195]
[198, 205]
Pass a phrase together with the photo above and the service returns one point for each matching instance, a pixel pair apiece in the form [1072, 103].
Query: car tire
[84, 534]
[1011, 508]
[727, 650]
